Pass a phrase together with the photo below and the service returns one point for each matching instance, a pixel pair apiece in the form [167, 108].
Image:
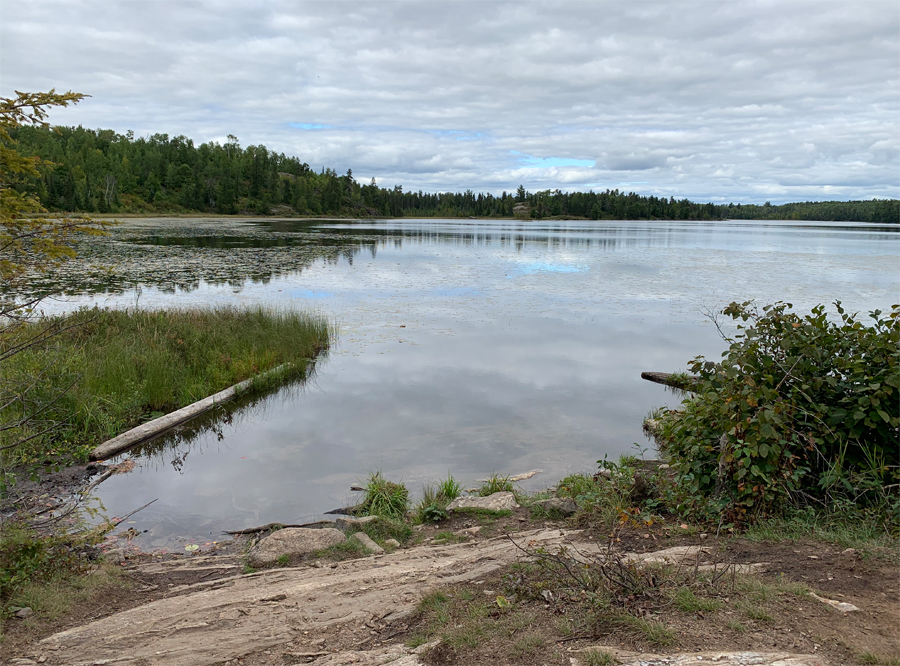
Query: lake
[465, 346]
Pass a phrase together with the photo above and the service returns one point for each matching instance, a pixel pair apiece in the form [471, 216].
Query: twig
[129, 515]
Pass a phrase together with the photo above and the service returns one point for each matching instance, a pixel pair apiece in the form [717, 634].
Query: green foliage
[104, 371]
[388, 528]
[496, 484]
[597, 657]
[345, 550]
[384, 498]
[432, 508]
[688, 602]
[27, 558]
[800, 410]
[28, 239]
[106, 172]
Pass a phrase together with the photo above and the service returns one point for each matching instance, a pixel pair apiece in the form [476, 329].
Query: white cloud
[718, 101]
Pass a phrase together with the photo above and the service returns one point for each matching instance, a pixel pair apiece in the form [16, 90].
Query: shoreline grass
[104, 371]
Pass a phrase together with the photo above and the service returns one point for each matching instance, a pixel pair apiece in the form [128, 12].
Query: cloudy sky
[721, 101]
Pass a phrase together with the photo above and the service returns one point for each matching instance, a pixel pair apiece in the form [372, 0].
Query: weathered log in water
[672, 379]
[158, 426]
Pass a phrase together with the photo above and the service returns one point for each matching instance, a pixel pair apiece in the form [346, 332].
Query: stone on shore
[366, 540]
[348, 524]
[292, 541]
[565, 506]
[504, 501]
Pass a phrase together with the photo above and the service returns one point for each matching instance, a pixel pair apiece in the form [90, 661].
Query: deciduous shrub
[800, 410]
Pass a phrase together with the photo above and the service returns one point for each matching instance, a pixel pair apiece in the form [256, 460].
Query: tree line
[101, 171]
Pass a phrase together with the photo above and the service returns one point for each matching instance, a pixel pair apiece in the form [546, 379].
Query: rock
[468, 532]
[603, 473]
[115, 555]
[673, 555]
[848, 552]
[21, 661]
[561, 505]
[366, 540]
[349, 525]
[292, 541]
[640, 491]
[702, 658]
[504, 501]
[393, 543]
[840, 606]
[22, 613]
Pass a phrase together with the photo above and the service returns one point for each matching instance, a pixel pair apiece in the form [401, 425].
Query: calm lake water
[467, 347]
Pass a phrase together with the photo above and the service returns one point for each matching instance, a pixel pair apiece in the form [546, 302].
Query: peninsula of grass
[97, 373]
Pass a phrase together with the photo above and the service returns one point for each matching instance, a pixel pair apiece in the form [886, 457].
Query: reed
[104, 371]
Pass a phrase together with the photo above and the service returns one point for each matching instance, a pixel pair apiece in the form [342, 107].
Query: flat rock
[366, 540]
[673, 555]
[504, 501]
[349, 524]
[562, 505]
[720, 658]
[292, 541]
[186, 629]
[114, 555]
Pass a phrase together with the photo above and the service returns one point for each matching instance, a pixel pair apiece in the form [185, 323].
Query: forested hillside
[100, 171]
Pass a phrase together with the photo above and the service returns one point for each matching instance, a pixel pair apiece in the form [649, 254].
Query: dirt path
[209, 623]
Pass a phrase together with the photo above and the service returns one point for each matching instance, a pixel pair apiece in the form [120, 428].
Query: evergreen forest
[101, 171]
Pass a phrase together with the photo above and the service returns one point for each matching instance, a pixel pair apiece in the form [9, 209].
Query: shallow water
[465, 346]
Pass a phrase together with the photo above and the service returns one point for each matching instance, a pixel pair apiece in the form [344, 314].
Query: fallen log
[271, 526]
[156, 427]
[672, 379]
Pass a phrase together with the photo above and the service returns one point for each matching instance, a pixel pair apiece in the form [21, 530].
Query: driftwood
[345, 511]
[271, 526]
[121, 520]
[679, 381]
[158, 426]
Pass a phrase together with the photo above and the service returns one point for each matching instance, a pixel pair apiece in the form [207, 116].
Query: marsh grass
[383, 498]
[110, 370]
[496, 484]
[432, 507]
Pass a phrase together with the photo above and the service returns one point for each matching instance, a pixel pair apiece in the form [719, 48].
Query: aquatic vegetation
[109, 370]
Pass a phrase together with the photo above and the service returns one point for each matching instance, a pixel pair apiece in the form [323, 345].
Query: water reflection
[468, 347]
[180, 256]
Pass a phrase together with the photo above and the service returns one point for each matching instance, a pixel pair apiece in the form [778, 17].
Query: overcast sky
[720, 101]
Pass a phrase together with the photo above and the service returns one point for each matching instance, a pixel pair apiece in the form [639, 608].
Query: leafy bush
[800, 410]
[27, 558]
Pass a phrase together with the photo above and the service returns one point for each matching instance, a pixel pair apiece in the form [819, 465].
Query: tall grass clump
[432, 508]
[496, 484]
[104, 371]
[384, 498]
